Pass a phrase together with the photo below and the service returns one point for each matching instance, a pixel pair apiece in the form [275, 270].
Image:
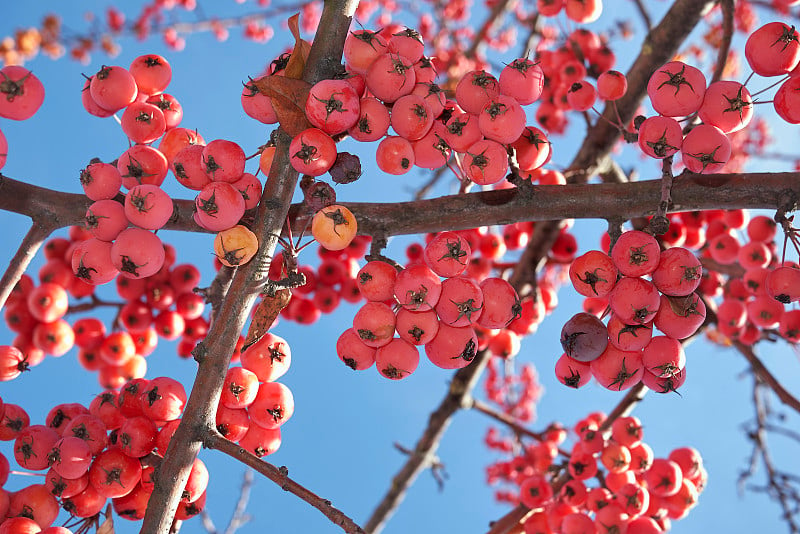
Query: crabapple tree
[631, 165]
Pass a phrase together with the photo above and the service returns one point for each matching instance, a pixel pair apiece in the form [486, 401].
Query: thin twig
[423, 191]
[216, 292]
[505, 419]
[648, 23]
[733, 270]
[765, 376]
[208, 524]
[457, 397]
[240, 516]
[725, 44]
[22, 258]
[659, 224]
[94, 302]
[279, 476]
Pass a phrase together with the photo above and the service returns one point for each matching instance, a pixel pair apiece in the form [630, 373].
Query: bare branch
[779, 484]
[457, 397]
[505, 419]
[240, 516]
[486, 208]
[208, 524]
[648, 23]
[22, 258]
[766, 377]
[280, 477]
[725, 44]
[94, 302]
[733, 270]
[324, 60]
[437, 467]
[492, 18]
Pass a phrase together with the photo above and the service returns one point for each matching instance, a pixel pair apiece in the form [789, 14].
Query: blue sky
[339, 442]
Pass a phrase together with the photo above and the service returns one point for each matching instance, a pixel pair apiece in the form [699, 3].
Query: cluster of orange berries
[638, 493]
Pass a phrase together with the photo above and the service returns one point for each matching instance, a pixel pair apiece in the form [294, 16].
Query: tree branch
[240, 517]
[280, 477]
[457, 397]
[215, 353]
[505, 419]
[491, 19]
[725, 45]
[690, 192]
[766, 377]
[648, 23]
[22, 258]
[94, 302]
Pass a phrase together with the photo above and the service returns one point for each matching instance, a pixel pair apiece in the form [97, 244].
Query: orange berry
[265, 161]
[334, 227]
[235, 246]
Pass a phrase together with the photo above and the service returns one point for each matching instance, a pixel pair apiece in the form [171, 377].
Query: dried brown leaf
[107, 526]
[297, 61]
[288, 98]
[266, 313]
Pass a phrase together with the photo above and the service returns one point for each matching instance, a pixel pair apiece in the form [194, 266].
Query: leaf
[297, 61]
[288, 98]
[107, 526]
[266, 313]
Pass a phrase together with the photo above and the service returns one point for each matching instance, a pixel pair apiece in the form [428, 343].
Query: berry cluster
[388, 82]
[625, 352]
[215, 169]
[162, 305]
[725, 107]
[567, 69]
[425, 310]
[36, 313]
[753, 303]
[106, 451]
[637, 492]
[253, 406]
[743, 268]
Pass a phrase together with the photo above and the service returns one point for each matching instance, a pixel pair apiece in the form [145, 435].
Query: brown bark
[214, 357]
[545, 203]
